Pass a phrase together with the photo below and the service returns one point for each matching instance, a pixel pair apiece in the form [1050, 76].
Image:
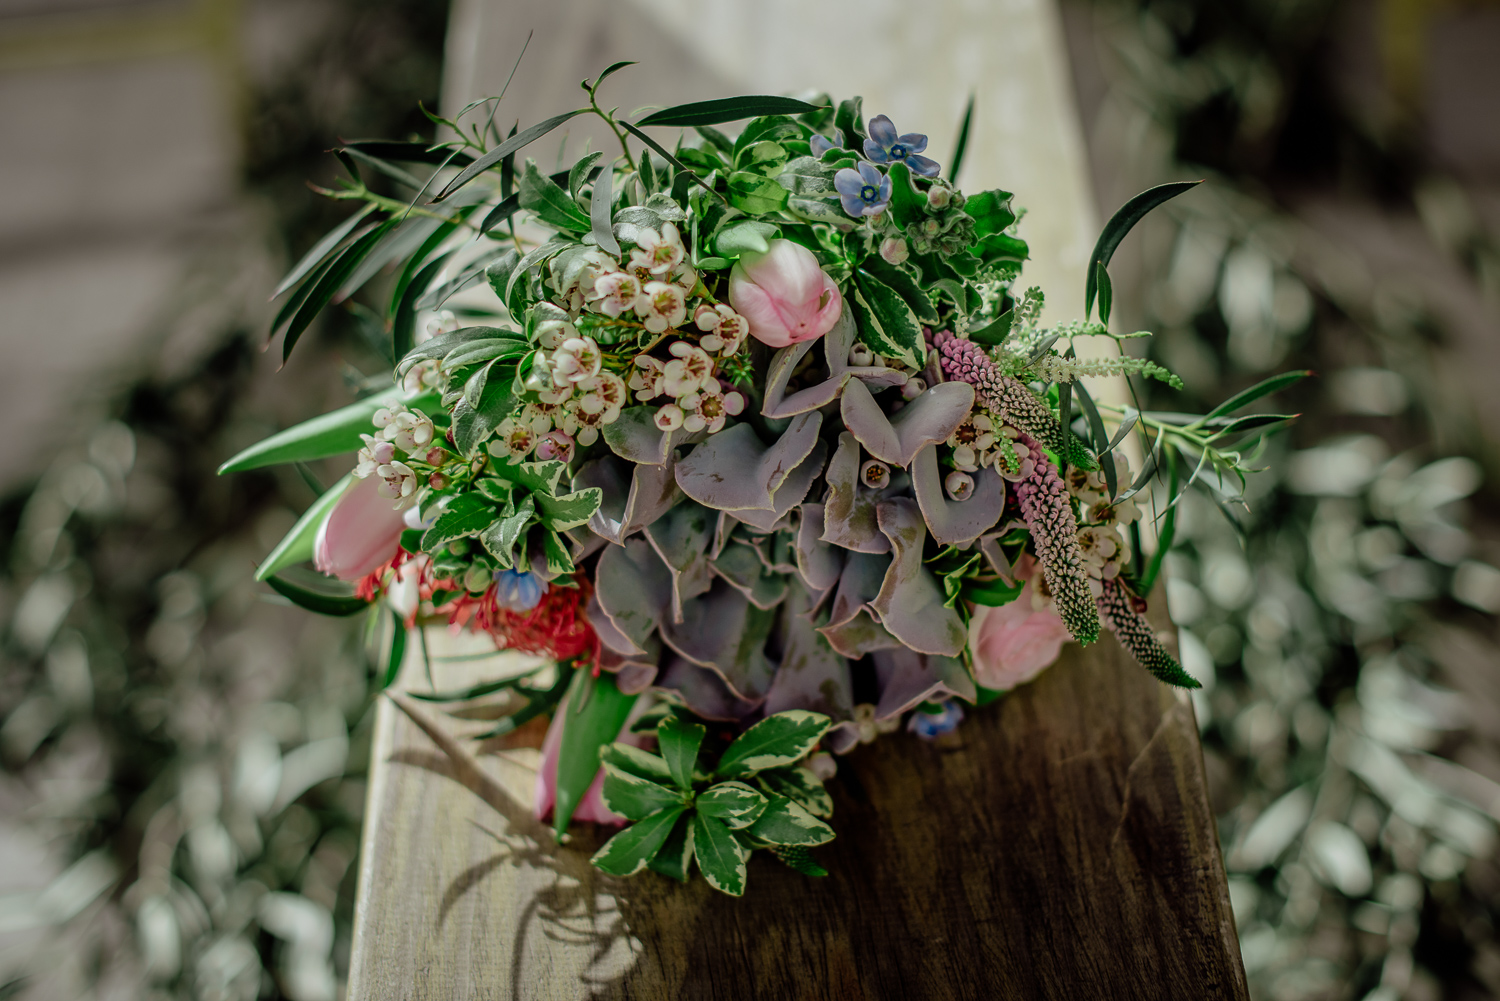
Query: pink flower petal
[360, 534]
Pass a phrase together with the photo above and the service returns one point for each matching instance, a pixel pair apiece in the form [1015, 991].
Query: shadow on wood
[1058, 845]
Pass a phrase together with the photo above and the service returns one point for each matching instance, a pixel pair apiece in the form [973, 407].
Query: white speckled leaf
[956, 523]
[734, 471]
[774, 742]
[910, 603]
[786, 822]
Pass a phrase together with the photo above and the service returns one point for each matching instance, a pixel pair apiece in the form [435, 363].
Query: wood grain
[1058, 845]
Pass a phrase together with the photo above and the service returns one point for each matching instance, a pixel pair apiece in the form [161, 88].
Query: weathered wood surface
[1058, 845]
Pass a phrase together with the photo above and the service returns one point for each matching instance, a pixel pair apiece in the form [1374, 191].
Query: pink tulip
[591, 807]
[360, 534]
[784, 294]
[1014, 643]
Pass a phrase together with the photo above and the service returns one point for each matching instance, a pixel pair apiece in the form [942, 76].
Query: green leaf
[474, 422]
[904, 285]
[1121, 223]
[1106, 293]
[333, 433]
[578, 175]
[729, 109]
[599, 212]
[992, 593]
[297, 546]
[644, 764]
[768, 128]
[996, 331]
[627, 853]
[329, 282]
[317, 593]
[500, 538]
[991, 212]
[483, 350]
[396, 653]
[747, 236]
[800, 785]
[785, 822]
[962, 145]
[886, 322]
[676, 855]
[550, 202]
[633, 797]
[1168, 533]
[470, 274]
[538, 477]
[658, 147]
[594, 712]
[570, 510]
[505, 149]
[778, 740]
[721, 858]
[478, 691]
[849, 120]
[734, 803]
[764, 158]
[443, 344]
[404, 319]
[679, 741]
[755, 194]
[465, 515]
[410, 152]
[1097, 434]
[559, 557]
[610, 71]
[1274, 384]
[390, 170]
[321, 249]
[907, 203]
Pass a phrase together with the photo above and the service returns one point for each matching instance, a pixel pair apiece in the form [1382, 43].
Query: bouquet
[753, 441]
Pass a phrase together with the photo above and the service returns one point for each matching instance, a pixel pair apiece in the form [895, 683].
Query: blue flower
[518, 590]
[884, 146]
[822, 144]
[929, 726]
[865, 191]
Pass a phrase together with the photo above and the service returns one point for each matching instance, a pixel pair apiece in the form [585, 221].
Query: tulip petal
[361, 533]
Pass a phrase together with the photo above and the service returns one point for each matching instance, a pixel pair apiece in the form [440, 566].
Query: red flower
[557, 627]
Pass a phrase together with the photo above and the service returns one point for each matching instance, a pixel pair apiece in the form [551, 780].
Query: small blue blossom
[930, 726]
[865, 191]
[822, 144]
[518, 590]
[884, 146]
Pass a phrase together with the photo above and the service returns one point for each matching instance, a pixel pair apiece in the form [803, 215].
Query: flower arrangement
[756, 440]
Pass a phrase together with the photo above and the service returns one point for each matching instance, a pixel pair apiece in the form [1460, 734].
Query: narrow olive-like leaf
[1121, 223]
[676, 855]
[679, 741]
[1096, 433]
[1250, 422]
[1168, 533]
[397, 652]
[333, 433]
[721, 858]
[297, 546]
[735, 803]
[775, 741]
[317, 593]
[1065, 418]
[1124, 429]
[629, 758]
[1148, 471]
[595, 711]
[404, 320]
[471, 273]
[962, 145]
[599, 212]
[476, 691]
[321, 249]
[509, 206]
[608, 72]
[390, 170]
[329, 283]
[633, 797]
[785, 822]
[996, 331]
[728, 109]
[676, 163]
[627, 853]
[549, 201]
[410, 152]
[1106, 292]
[1265, 387]
[505, 149]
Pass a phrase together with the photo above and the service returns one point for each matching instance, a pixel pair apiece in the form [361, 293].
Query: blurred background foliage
[183, 759]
